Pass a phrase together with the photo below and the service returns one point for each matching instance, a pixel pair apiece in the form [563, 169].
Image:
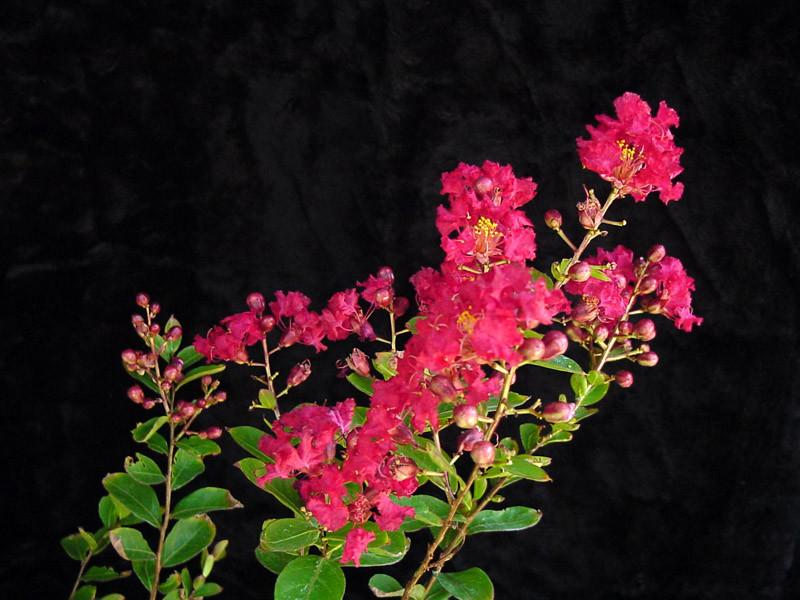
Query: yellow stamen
[466, 321]
[485, 228]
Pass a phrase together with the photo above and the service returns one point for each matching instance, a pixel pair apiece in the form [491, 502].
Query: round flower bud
[201, 403]
[656, 253]
[136, 394]
[186, 409]
[206, 380]
[645, 330]
[559, 412]
[174, 334]
[482, 453]
[584, 312]
[171, 372]
[155, 308]
[255, 302]
[465, 416]
[601, 333]
[267, 323]
[532, 349]
[580, 271]
[648, 285]
[142, 299]
[386, 274]
[647, 359]
[212, 433]
[555, 344]
[148, 404]
[483, 185]
[625, 329]
[384, 297]
[175, 418]
[575, 333]
[220, 397]
[624, 379]
[400, 306]
[129, 356]
[442, 387]
[155, 328]
[299, 373]
[553, 219]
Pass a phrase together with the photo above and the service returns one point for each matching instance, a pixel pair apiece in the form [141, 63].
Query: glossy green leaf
[282, 489]
[520, 467]
[204, 500]
[274, 562]
[130, 544]
[559, 363]
[411, 324]
[385, 586]
[146, 381]
[513, 518]
[113, 597]
[138, 498]
[479, 489]
[85, 592]
[537, 274]
[107, 511]
[310, 578]
[190, 356]
[361, 383]
[98, 574]
[437, 592]
[267, 399]
[579, 384]
[144, 431]
[428, 511]
[248, 438]
[558, 437]
[199, 446]
[594, 395]
[287, 535]
[170, 583]
[599, 273]
[207, 589]
[145, 571]
[383, 362]
[144, 470]
[76, 546]
[187, 539]
[529, 435]
[157, 443]
[199, 372]
[187, 466]
[472, 584]
[174, 595]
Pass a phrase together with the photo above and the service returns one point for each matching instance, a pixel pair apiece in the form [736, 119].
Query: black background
[203, 150]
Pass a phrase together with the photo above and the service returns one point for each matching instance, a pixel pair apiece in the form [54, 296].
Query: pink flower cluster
[636, 151]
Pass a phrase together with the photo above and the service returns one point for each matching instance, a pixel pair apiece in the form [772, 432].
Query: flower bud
[575, 333]
[155, 308]
[482, 453]
[129, 356]
[483, 185]
[384, 297]
[645, 330]
[625, 329]
[136, 394]
[553, 219]
[142, 299]
[174, 334]
[443, 388]
[580, 271]
[648, 285]
[175, 418]
[186, 409]
[219, 397]
[555, 344]
[267, 323]
[201, 404]
[386, 274]
[624, 379]
[400, 306]
[559, 412]
[299, 373]
[467, 440]
[656, 253]
[206, 381]
[647, 359]
[532, 349]
[155, 328]
[255, 302]
[358, 362]
[465, 416]
[401, 434]
[654, 306]
[148, 404]
[171, 373]
[402, 468]
[584, 312]
[601, 333]
[212, 433]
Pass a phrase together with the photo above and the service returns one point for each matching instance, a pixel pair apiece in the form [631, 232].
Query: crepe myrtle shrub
[150, 518]
[357, 477]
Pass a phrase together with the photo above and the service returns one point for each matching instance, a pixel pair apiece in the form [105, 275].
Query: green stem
[167, 505]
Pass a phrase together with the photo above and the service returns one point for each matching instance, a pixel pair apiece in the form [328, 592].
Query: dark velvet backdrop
[205, 150]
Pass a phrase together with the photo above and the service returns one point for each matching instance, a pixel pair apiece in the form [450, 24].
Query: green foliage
[138, 498]
[472, 584]
[100, 574]
[383, 364]
[199, 446]
[248, 438]
[521, 466]
[130, 544]
[287, 535]
[559, 363]
[205, 500]
[361, 383]
[199, 372]
[274, 562]
[144, 470]
[186, 466]
[190, 356]
[85, 592]
[144, 431]
[187, 539]
[108, 512]
[513, 518]
[310, 578]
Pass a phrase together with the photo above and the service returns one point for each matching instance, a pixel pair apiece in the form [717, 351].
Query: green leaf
[145, 470]
[85, 592]
[102, 574]
[558, 437]
[145, 571]
[267, 399]
[130, 544]
[520, 467]
[472, 584]
[437, 592]
[287, 535]
[274, 562]
[361, 383]
[170, 583]
[144, 431]
[157, 443]
[599, 273]
[310, 578]
[579, 384]
[529, 435]
[199, 372]
[384, 586]
[208, 589]
[388, 547]
[479, 489]
[187, 539]
[107, 511]
[411, 324]
[113, 597]
[205, 500]
[199, 446]
[559, 363]
[596, 394]
[76, 546]
[252, 468]
[138, 498]
[537, 274]
[428, 511]
[513, 518]
[248, 438]
[190, 356]
[186, 467]
[383, 364]
[282, 489]
[146, 381]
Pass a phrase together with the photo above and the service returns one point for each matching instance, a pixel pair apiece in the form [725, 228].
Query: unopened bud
[175, 418]
[467, 440]
[400, 434]
[155, 308]
[482, 453]
[584, 312]
[601, 333]
[129, 356]
[358, 362]
[559, 412]
[624, 379]
[212, 433]
[580, 271]
[465, 416]
[142, 299]
[148, 404]
[402, 468]
[186, 409]
[400, 306]
[625, 329]
[171, 373]
[654, 306]
[553, 219]
[555, 344]
[299, 373]
[443, 388]
[219, 397]
[174, 334]
[386, 274]
[483, 185]
[384, 297]
[155, 328]
[201, 403]
[647, 359]
[575, 333]
[206, 381]
[656, 253]
[648, 285]
[136, 394]
[255, 302]
[645, 330]
[532, 349]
